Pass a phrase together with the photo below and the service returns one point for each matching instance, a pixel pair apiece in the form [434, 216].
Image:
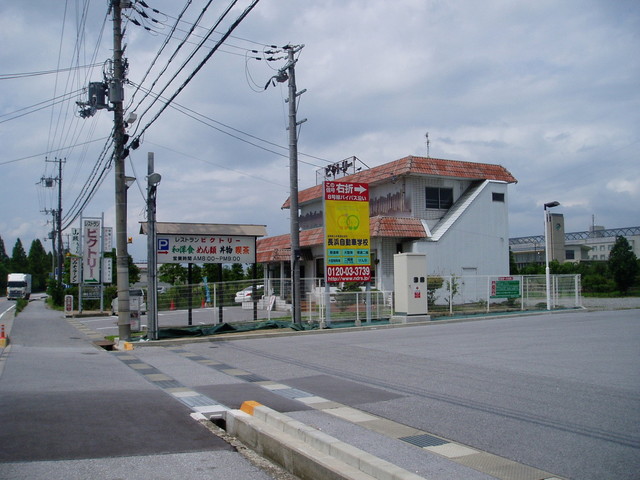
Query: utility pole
[153, 179]
[293, 181]
[57, 218]
[116, 97]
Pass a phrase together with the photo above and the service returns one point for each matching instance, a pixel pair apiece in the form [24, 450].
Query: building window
[497, 197]
[440, 198]
[570, 255]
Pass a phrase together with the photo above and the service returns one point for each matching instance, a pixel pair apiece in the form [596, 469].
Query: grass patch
[21, 303]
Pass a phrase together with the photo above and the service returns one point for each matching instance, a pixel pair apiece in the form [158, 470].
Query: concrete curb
[305, 451]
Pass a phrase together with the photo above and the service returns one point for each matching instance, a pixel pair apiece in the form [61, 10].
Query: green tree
[172, 273]
[235, 273]
[39, 265]
[513, 266]
[452, 287]
[623, 264]
[134, 271]
[433, 283]
[19, 260]
[4, 267]
[4, 258]
[212, 271]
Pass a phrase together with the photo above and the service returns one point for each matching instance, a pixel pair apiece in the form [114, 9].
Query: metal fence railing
[446, 296]
[451, 295]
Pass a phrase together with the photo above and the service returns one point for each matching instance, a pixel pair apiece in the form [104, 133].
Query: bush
[21, 303]
[596, 283]
[56, 293]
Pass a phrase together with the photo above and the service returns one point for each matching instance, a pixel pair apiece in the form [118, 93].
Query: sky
[548, 89]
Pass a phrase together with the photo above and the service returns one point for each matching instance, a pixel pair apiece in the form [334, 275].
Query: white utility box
[410, 288]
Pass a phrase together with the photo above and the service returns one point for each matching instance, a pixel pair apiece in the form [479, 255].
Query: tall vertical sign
[74, 246]
[91, 230]
[346, 232]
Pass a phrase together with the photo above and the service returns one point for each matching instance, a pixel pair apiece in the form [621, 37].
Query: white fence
[447, 296]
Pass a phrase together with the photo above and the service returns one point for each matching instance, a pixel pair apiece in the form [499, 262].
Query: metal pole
[152, 264]
[122, 256]
[547, 274]
[293, 182]
[190, 293]
[60, 257]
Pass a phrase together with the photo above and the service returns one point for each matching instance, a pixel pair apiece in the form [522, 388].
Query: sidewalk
[69, 409]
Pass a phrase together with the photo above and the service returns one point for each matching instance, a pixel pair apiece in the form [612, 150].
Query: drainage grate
[424, 440]
[166, 384]
[197, 401]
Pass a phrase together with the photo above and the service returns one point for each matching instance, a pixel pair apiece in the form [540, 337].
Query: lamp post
[547, 274]
[153, 179]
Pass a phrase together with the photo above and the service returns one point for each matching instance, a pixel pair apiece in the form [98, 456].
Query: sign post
[346, 222]
[346, 235]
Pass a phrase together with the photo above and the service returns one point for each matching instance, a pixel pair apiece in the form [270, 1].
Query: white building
[592, 245]
[454, 212]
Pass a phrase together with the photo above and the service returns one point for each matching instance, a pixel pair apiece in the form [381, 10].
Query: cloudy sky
[548, 89]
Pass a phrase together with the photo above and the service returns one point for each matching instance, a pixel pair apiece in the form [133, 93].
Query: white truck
[18, 286]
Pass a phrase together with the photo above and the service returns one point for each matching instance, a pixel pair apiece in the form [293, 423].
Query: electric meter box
[410, 287]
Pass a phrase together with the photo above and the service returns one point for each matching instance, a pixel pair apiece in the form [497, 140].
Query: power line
[202, 63]
[13, 76]
[49, 152]
[204, 119]
[40, 106]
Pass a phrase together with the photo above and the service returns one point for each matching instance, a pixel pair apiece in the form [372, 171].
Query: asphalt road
[558, 392]
[108, 325]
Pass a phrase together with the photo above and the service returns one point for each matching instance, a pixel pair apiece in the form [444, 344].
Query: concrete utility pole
[57, 220]
[293, 181]
[116, 97]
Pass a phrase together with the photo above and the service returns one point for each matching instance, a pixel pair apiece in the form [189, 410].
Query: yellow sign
[346, 207]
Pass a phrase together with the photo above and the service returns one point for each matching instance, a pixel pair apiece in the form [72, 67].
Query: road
[559, 393]
[108, 325]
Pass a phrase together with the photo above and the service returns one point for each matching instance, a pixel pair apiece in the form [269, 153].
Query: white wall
[478, 240]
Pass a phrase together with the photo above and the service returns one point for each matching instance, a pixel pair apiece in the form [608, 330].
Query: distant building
[454, 212]
[592, 245]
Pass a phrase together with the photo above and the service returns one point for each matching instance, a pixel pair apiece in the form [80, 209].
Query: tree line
[619, 274]
[37, 262]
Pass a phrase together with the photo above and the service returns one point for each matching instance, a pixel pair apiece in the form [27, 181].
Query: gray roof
[167, 228]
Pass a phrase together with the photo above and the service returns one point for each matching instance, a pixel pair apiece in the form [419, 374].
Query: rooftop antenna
[428, 143]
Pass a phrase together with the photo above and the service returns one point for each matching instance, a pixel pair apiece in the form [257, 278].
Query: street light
[547, 274]
[153, 179]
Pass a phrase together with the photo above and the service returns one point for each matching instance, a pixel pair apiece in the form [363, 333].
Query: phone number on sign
[350, 274]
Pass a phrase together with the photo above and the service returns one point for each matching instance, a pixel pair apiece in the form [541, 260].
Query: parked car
[246, 294]
[135, 295]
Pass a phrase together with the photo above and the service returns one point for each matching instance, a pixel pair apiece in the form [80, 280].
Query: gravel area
[619, 303]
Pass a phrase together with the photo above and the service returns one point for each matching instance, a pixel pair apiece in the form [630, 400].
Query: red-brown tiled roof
[416, 166]
[273, 249]
[399, 227]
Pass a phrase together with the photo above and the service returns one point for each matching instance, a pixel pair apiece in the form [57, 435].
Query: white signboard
[74, 270]
[206, 249]
[91, 229]
[74, 242]
[107, 270]
[107, 239]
